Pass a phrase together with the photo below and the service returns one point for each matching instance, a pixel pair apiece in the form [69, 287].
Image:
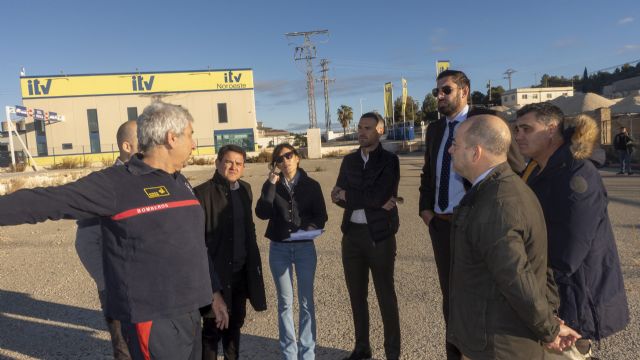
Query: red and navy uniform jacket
[155, 259]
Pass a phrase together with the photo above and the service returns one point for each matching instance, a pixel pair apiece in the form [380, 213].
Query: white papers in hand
[305, 235]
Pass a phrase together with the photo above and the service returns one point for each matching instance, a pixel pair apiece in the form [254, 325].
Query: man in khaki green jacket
[499, 301]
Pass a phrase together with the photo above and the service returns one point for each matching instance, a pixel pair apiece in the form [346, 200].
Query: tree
[496, 95]
[478, 98]
[429, 110]
[410, 112]
[345, 115]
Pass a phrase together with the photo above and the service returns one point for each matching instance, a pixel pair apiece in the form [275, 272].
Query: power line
[307, 51]
[325, 81]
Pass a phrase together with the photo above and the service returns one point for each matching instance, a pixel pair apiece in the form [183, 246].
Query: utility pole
[489, 91]
[508, 74]
[325, 81]
[307, 51]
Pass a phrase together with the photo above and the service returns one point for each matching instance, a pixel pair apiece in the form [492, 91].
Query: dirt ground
[49, 307]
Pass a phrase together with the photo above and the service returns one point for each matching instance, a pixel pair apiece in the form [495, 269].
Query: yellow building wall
[112, 109]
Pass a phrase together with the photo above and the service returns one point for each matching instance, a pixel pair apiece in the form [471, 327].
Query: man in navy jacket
[582, 248]
[155, 262]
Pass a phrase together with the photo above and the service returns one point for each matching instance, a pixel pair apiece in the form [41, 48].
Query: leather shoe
[359, 355]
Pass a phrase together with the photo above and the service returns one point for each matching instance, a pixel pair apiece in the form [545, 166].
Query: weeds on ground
[106, 162]
[16, 184]
[202, 161]
[19, 167]
[262, 157]
[68, 163]
[320, 168]
[333, 154]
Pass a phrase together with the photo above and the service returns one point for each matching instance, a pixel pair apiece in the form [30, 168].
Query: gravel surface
[49, 307]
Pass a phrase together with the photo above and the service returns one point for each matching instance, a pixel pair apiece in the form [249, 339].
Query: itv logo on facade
[36, 88]
[139, 84]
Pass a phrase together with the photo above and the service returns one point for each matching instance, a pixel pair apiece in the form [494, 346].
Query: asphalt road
[49, 307]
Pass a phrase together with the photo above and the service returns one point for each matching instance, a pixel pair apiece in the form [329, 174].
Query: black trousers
[230, 336]
[440, 232]
[165, 339]
[359, 256]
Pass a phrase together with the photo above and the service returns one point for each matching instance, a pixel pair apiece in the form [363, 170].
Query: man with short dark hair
[155, 263]
[89, 242]
[367, 188]
[441, 188]
[582, 247]
[499, 303]
[234, 258]
[624, 146]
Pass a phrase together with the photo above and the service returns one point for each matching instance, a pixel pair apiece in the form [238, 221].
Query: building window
[222, 113]
[94, 130]
[132, 113]
[548, 96]
[505, 99]
[513, 97]
[41, 138]
[524, 96]
[67, 146]
[534, 96]
[241, 137]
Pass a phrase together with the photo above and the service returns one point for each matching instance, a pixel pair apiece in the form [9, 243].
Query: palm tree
[345, 115]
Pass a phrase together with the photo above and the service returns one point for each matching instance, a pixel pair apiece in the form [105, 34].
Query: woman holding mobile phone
[292, 201]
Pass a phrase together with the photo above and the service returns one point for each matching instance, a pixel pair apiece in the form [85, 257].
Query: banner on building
[442, 65]
[404, 97]
[388, 101]
[37, 87]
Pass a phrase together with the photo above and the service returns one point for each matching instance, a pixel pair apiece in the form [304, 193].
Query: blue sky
[370, 43]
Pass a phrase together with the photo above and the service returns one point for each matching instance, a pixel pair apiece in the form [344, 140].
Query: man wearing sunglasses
[441, 189]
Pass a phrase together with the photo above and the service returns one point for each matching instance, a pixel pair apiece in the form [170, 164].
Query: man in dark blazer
[441, 188]
[234, 259]
[500, 306]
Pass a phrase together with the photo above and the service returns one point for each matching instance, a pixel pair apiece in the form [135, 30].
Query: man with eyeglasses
[440, 188]
[234, 258]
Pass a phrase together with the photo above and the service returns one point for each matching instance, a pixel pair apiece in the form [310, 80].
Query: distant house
[523, 96]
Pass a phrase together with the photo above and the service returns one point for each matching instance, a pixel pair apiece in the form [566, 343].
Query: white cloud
[629, 48]
[565, 43]
[625, 20]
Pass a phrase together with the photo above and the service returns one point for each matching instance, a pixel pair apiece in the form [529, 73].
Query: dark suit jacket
[215, 197]
[435, 132]
[499, 306]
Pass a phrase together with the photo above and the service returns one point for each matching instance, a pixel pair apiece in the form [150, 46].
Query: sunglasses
[447, 90]
[287, 156]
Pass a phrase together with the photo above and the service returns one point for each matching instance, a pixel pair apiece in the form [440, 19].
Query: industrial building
[92, 106]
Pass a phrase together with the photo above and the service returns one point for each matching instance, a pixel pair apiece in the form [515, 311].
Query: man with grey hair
[155, 263]
[89, 242]
[499, 307]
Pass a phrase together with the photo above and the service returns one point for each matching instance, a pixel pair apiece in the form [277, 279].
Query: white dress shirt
[456, 182]
[359, 216]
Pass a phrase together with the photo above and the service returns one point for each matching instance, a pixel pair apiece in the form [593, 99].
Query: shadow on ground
[42, 329]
